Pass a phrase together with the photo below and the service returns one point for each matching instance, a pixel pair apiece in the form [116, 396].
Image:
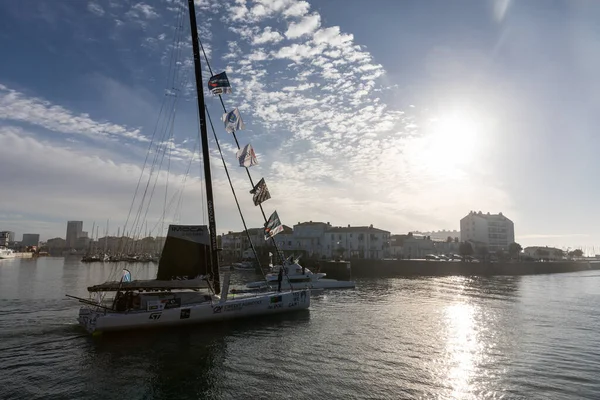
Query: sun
[451, 141]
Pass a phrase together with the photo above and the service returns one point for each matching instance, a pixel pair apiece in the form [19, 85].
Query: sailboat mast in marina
[187, 287]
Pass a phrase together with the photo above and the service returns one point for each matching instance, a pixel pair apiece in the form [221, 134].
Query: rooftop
[349, 228]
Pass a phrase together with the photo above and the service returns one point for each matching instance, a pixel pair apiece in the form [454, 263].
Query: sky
[402, 114]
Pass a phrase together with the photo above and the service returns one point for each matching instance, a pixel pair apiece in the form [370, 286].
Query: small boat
[297, 277]
[187, 286]
[243, 266]
[6, 253]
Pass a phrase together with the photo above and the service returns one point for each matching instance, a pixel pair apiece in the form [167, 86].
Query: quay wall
[24, 255]
[385, 268]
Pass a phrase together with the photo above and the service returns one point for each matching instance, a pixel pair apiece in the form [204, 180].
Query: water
[531, 337]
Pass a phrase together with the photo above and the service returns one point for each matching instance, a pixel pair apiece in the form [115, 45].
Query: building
[6, 238]
[440, 236]
[74, 232]
[492, 230]
[313, 239]
[30, 239]
[356, 241]
[544, 252]
[308, 237]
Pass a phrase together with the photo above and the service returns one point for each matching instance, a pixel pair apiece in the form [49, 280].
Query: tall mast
[214, 264]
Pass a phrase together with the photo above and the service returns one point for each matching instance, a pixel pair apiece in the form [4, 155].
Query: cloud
[15, 106]
[263, 9]
[306, 26]
[90, 186]
[95, 8]
[144, 10]
[552, 236]
[268, 35]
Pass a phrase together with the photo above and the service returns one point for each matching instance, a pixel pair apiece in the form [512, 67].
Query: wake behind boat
[187, 288]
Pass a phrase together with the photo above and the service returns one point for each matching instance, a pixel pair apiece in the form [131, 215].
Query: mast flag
[246, 156]
[260, 192]
[233, 121]
[273, 226]
[219, 84]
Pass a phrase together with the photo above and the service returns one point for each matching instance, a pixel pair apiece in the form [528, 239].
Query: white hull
[5, 254]
[98, 320]
[318, 284]
[297, 278]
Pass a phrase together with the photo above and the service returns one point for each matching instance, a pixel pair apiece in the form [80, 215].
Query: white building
[356, 241]
[316, 239]
[308, 236]
[544, 252]
[494, 230]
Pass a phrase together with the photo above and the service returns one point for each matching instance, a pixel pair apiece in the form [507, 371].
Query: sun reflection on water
[464, 348]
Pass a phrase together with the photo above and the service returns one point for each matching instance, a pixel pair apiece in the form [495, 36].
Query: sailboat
[187, 286]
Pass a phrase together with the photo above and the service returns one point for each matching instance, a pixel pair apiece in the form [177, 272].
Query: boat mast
[214, 264]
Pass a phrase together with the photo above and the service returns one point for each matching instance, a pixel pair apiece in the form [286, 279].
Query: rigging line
[183, 183]
[176, 37]
[161, 147]
[246, 168]
[233, 191]
[174, 67]
[171, 144]
[164, 150]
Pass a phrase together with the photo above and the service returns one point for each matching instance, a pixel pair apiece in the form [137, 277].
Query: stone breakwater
[382, 268]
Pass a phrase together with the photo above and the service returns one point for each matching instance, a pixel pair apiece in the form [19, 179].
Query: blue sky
[401, 114]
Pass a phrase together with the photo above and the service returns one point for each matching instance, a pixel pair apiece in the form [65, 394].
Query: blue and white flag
[126, 276]
[233, 121]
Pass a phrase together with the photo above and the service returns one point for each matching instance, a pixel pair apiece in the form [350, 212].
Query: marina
[421, 337]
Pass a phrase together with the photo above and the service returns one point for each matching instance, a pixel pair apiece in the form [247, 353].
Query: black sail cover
[186, 253]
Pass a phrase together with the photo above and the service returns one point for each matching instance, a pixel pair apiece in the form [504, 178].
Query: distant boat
[6, 253]
[187, 286]
[296, 277]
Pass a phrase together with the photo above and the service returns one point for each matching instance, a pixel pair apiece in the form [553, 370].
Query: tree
[558, 253]
[576, 253]
[501, 255]
[514, 249]
[449, 239]
[482, 251]
[465, 249]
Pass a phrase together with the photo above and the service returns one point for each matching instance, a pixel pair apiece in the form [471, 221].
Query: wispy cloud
[95, 8]
[552, 236]
[142, 10]
[15, 106]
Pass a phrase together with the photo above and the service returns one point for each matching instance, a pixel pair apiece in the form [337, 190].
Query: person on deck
[279, 279]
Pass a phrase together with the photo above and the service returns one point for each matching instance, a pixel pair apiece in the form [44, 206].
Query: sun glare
[450, 142]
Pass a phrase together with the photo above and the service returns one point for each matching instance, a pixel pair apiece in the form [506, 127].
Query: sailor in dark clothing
[279, 278]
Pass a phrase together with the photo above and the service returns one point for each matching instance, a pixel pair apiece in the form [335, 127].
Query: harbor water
[522, 337]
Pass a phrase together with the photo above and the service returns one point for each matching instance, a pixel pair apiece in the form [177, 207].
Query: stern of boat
[87, 319]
